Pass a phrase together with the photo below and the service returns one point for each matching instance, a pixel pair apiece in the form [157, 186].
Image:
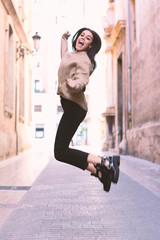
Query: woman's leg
[72, 117]
[93, 160]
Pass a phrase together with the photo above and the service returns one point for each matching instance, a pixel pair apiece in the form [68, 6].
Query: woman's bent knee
[58, 154]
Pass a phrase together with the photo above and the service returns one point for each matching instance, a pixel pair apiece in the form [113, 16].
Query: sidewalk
[67, 203]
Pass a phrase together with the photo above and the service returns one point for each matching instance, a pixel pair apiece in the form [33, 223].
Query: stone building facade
[132, 114]
[15, 77]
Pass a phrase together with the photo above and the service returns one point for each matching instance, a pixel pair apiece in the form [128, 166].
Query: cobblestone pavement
[67, 203]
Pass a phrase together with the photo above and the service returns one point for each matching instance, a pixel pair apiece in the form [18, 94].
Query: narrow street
[41, 198]
[98, 56]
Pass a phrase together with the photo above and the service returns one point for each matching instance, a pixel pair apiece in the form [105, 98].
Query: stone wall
[144, 142]
[144, 138]
[15, 133]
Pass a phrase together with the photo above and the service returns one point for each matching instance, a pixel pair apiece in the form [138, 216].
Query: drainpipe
[16, 121]
[129, 69]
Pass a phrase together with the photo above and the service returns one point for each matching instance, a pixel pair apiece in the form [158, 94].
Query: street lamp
[22, 49]
[36, 41]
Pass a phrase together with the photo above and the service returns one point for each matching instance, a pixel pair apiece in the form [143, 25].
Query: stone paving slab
[67, 203]
[17, 174]
[142, 171]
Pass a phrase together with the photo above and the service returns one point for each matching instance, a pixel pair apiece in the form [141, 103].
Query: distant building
[44, 76]
[132, 111]
[15, 77]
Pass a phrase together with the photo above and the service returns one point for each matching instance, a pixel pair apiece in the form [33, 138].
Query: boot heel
[116, 164]
[116, 159]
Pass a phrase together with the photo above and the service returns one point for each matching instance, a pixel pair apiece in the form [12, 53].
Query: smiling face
[84, 41]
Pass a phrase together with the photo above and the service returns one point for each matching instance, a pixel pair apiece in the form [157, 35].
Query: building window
[9, 73]
[39, 131]
[59, 109]
[37, 86]
[38, 108]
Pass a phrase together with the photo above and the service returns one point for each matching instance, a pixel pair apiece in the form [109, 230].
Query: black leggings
[72, 117]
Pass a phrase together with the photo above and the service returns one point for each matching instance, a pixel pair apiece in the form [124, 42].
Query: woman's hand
[71, 83]
[67, 34]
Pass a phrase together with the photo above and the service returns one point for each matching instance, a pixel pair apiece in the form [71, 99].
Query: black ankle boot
[108, 174]
[104, 174]
[115, 163]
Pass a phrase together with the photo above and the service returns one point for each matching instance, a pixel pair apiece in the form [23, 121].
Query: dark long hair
[95, 46]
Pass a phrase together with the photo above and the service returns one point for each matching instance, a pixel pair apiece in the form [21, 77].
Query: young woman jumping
[73, 76]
